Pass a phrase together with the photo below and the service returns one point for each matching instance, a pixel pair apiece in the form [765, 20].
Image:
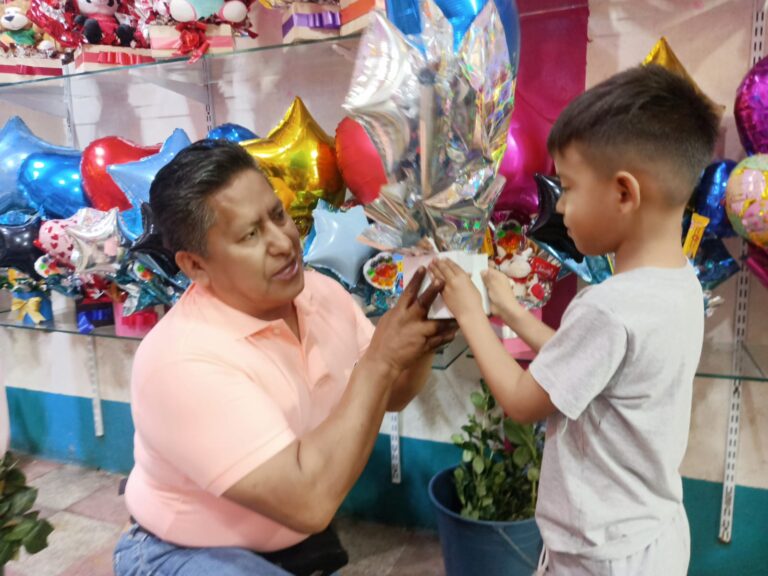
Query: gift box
[356, 14]
[303, 21]
[93, 312]
[32, 308]
[90, 57]
[193, 39]
[472, 264]
[136, 325]
[20, 68]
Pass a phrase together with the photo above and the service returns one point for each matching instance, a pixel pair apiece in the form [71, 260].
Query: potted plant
[485, 505]
[19, 525]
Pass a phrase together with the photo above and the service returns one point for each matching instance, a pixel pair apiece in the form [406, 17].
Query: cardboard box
[303, 21]
[165, 41]
[91, 57]
[356, 14]
[21, 68]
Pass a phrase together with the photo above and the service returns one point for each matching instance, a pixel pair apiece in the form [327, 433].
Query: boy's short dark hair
[645, 116]
[180, 191]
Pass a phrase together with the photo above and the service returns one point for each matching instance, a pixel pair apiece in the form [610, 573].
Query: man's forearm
[530, 329]
[410, 383]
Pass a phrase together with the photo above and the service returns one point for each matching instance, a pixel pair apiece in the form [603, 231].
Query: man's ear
[628, 189]
[193, 265]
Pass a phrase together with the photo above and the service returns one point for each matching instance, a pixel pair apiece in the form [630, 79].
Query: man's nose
[560, 206]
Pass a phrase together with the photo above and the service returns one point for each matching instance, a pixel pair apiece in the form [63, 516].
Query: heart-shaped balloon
[99, 186]
[52, 184]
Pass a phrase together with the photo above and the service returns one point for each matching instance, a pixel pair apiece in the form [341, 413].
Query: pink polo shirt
[215, 393]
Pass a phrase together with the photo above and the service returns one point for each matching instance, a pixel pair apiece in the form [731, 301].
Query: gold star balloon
[302, 156]
[662, 55]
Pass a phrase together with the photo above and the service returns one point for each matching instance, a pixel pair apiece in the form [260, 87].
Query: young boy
[615, 380]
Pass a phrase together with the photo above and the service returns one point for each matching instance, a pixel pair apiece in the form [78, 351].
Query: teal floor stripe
[61, 428]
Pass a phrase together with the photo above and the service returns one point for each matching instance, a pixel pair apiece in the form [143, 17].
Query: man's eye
[279, 215]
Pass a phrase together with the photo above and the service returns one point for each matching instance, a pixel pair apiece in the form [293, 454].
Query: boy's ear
[628, 188]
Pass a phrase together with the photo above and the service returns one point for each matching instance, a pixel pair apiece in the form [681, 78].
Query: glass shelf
[64, 323]
[183, 61]
[718, 360]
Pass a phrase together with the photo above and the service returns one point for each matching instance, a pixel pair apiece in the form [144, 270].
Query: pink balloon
[751, 109]
[525, 156]
[757, 262]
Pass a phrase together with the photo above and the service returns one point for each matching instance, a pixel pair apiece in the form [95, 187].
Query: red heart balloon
[359, 162]
[99, 187]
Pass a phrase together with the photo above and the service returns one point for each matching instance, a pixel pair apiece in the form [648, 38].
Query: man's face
[588, 204]
[253, 261]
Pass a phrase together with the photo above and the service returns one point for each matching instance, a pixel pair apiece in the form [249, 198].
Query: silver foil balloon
[439, 120]
[98, 244]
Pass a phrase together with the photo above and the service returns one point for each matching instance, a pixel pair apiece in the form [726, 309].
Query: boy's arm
[515, 389]
[530, 329]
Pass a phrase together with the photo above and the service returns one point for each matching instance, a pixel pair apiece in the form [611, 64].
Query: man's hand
[404, 335]
[503, 301]
[460, 294]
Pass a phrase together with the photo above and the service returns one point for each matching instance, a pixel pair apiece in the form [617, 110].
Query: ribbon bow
[30, 307]
[192, 40]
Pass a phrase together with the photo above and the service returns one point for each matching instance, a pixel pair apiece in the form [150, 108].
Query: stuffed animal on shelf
[100, 24]
[233, 11]
[17, 28]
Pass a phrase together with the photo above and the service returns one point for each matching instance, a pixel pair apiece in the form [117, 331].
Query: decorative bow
[29, 307]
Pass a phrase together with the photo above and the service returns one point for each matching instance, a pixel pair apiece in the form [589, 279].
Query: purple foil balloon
[751, 109]
[757, 262]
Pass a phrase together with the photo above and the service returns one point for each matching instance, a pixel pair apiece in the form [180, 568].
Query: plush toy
[17, 28]
[100, 24]
[233, 11]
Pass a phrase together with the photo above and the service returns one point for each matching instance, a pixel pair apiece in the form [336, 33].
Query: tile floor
[88, 516]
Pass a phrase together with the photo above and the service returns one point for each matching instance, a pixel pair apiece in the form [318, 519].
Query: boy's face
[589, 204]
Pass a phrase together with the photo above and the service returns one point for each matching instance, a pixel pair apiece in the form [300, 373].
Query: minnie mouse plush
[100, 25]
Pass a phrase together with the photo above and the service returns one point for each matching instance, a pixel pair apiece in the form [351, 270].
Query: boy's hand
[503, 301]
[460, 294]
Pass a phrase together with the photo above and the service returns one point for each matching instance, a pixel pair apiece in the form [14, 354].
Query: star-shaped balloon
[662, 55]
[548, 226]
[135, 178]
[334, 246]
[16, 143]
[17, 246]
[301, 154]
[97, 242]
[149, 246]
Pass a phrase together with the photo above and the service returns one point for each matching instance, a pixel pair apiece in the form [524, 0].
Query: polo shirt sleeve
[210, 421]
[582, 358]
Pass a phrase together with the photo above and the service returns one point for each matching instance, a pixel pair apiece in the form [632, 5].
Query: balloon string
[555, 10]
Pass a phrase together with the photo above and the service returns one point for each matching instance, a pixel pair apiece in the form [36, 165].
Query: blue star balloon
[135, 178]
[709, 198]
[52, 184]
[16, 143]
[406, 15]
[335, 247]
[231, 132]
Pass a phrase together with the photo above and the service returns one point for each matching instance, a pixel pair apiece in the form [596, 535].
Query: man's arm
[303, 485]
[410, 383]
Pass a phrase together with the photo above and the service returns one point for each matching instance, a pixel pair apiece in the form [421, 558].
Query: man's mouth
[288, 271]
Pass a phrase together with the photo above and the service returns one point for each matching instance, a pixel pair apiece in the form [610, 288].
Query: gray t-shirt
[620, 371]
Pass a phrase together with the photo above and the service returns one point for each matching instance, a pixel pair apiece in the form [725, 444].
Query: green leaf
[514, 432]
[533, 474]
[457, 439]
[7, 551]
[478, 464]
[467, 456]
[458, 474]
[477, 399]
[37, 539]
[22, 501]
[21, 530]
[4, 508]
[521, 456]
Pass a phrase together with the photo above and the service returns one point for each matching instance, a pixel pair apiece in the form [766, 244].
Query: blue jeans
[141, 554]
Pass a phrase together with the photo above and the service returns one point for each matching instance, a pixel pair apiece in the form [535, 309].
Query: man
[258, 398]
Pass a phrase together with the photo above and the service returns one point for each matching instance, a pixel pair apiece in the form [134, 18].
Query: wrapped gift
[136, 325]
[32, 308]
[20, 68]
[356, 14]
[93, 312]
[304, 21]
[90, 57]
[193, 39]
